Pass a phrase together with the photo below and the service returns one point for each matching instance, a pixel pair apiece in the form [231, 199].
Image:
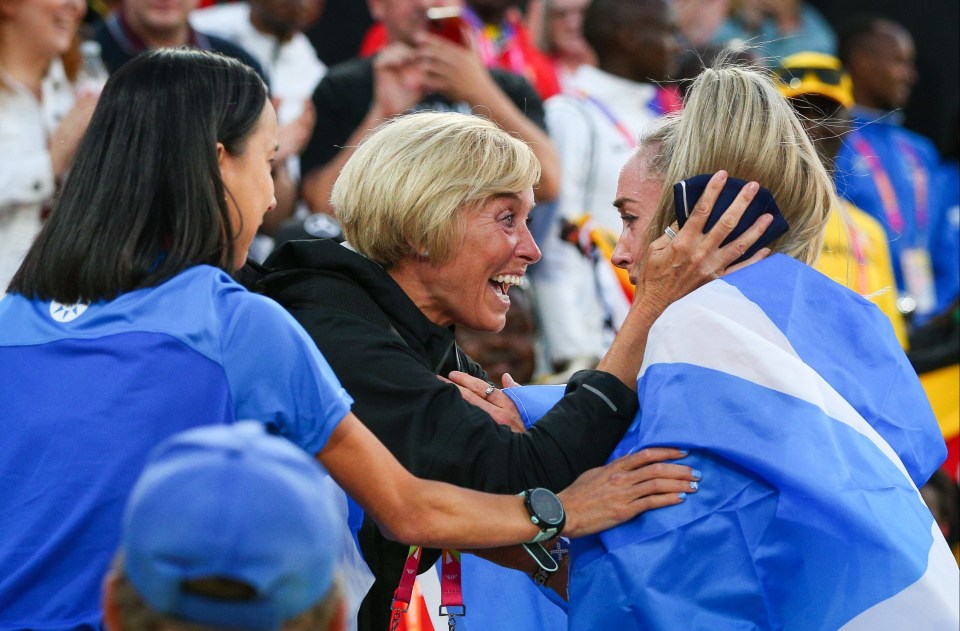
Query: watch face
[547, 507]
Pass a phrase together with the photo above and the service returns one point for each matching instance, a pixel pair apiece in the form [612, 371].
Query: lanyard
[495, 41]
[888, 196]
[451, 590]
[604, 109]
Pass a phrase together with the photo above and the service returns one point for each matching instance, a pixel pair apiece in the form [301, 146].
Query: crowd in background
[559, 75]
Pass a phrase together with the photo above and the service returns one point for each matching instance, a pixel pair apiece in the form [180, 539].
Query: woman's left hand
[489, 399]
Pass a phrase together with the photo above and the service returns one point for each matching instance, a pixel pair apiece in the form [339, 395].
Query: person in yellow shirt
[855, 251]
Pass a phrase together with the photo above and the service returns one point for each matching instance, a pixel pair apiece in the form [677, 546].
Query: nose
[527, 248]
[621, 255]
[273, 203]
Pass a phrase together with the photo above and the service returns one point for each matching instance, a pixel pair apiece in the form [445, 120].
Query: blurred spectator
[595, 127]
[500, 36]
[883, 168]
[945, 241]
[779, 28]
[41, 118]
[699, 19]
[140, 25]
[557, 28]
[511, 351]
[228, 528]
[272, 31]
[337, 35]
[855, 252]
[504, 43]
[415, 71]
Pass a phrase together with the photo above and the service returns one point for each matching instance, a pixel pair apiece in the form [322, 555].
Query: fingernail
[696, 473]
[684, 452]
[681, 496]
[753, 187]
[695, 486]
[765, 251]
[721, 175]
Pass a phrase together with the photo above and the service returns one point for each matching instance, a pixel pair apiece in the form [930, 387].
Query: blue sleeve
[276, 374]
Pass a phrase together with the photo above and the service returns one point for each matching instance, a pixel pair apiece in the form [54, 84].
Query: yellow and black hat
[811, 73]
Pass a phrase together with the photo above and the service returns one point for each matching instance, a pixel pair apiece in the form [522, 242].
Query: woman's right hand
[672, 268]
[606, 496]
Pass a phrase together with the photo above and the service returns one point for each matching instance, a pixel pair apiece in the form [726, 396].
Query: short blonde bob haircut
[735, 119]
[399, 194]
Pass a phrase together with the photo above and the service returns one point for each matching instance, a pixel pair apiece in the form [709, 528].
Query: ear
[111, 612]
[221, 151]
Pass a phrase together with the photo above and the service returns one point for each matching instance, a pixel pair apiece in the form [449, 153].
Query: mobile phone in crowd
[448, 22]
[687, 192]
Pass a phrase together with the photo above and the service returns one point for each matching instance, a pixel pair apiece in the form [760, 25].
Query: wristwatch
[546, 512]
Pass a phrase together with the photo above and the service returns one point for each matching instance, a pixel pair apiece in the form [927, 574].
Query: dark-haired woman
[123, 327]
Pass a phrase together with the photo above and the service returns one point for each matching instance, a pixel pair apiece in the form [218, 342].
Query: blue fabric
[801, 521]
[855, 181]
[500, 598]
[945, 235]
[83, 401]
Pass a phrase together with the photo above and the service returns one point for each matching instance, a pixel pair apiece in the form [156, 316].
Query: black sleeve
[435, 434]
[341, 100]
[519, 90]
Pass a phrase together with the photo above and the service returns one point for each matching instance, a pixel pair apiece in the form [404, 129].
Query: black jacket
[387, 355]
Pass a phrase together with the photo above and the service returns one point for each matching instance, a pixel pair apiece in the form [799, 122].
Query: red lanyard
[888, 197]
[451, 590]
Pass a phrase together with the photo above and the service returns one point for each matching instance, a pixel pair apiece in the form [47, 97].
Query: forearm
[318, 183]
[625, 356]
[412, 510]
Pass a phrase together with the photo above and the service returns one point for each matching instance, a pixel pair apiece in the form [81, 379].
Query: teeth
[509, 279]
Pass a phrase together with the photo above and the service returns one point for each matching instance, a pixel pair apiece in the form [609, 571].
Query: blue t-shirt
[87, 391]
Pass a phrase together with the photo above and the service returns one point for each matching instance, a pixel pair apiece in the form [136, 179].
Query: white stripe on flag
[716, 325]
[939, 586]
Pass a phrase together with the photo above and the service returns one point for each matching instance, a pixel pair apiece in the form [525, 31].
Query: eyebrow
[620, 201]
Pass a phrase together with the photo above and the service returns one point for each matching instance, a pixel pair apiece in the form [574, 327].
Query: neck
[158, 38]
[867, 100]
[407, 274]
[267, 27]
[20, 62]
[621, 68]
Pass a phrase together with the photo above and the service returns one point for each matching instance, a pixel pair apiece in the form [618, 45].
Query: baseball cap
[811, 73]
[230, 502]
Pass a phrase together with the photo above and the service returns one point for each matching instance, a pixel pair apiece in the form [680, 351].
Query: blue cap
[231, 502]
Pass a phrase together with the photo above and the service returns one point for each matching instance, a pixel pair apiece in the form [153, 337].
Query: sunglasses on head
[793, 77]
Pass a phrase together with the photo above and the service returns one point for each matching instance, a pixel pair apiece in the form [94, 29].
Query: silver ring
[488, 391]
[715, 275]
[671, 234]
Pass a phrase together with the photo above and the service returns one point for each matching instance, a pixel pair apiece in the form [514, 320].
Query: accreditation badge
[918, 277]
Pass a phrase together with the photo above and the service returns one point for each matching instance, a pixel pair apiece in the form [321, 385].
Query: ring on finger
[489, 390]
[715, 275]
[670, 232]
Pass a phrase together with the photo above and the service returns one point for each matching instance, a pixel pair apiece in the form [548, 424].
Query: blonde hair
[399, 194]
[735, 119]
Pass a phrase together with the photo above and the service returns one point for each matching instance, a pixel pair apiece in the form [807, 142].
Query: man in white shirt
[272, 32]
[595, 125]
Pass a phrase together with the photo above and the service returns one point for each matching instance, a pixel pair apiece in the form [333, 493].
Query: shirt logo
[66, 313]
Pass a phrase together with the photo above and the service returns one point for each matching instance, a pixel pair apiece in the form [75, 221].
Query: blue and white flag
[812, 433]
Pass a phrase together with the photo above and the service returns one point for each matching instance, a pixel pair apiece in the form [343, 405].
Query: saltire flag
[812, 433]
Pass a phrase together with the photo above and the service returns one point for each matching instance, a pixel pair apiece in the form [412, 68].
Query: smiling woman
[435, 208]
[41, 119]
